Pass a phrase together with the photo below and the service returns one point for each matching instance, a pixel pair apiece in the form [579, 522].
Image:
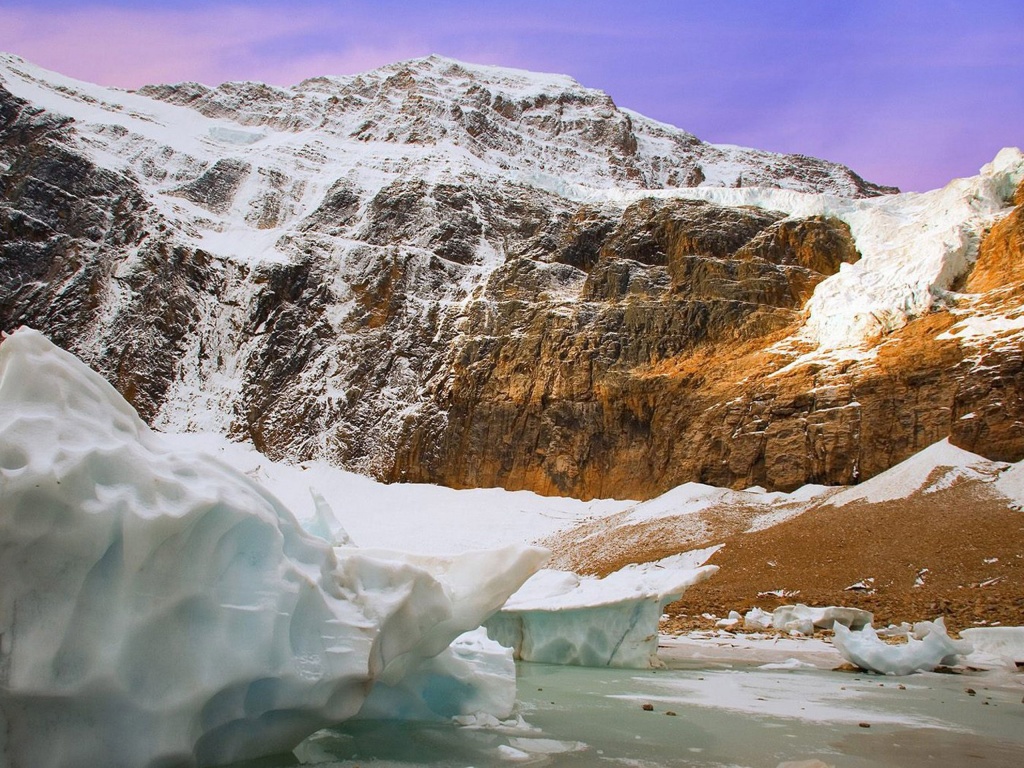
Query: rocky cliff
[476, 276]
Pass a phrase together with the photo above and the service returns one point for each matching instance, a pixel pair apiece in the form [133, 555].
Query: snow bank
[1011, 484]
[932, 648]
[561, 618]
[685, 499]
[411, 517]
[937, 467]
[158, 607]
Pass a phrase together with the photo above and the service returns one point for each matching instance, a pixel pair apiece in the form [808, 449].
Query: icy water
[726, 714]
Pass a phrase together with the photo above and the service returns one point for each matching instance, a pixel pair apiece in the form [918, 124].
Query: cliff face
[570, 380]
[476, 276]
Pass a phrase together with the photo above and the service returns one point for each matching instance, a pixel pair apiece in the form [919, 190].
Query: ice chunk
[791, 663]
[561, 618]
[473, 675]
[325, 525]
[896, 630]
[757, 619]
[160, 608]
[866, 650]
[729, 622]
[803, 619]
[1006, 643]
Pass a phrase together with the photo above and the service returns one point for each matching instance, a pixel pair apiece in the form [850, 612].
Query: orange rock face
[1000, 265]
[662, 370]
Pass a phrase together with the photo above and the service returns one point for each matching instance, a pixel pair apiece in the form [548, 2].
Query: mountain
[477, 276]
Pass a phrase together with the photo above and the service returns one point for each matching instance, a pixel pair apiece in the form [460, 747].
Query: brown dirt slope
[969, 538]
[971, 542]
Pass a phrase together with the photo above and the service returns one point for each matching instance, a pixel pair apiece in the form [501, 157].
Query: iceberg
[1002, 643]
[160, 608]
[756, 620]
[930, 647]
[474, 677]
[558, 617]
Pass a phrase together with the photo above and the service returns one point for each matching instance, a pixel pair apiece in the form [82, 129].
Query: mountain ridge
[450, 97]
[416, 311]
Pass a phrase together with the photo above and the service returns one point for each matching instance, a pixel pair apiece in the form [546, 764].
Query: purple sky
[906, 93]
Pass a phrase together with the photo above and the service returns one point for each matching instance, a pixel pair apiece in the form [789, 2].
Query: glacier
[160, 608]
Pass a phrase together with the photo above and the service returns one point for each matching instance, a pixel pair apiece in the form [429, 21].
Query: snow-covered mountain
[479, 276]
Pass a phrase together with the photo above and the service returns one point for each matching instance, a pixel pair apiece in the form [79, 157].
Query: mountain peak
[453, 71]
[396, 270]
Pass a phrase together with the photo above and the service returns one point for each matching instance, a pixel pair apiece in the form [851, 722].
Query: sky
[906, 92]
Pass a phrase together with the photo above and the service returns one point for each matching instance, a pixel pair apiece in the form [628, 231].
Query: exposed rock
[336, 212]
[215, 189]
[453, 274]
[817, 243]
[1000, 262]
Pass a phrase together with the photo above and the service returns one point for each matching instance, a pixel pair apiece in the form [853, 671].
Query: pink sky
[907, 92]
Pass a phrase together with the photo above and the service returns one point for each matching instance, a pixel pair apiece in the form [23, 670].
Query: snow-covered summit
[432, 112]
[509, 82]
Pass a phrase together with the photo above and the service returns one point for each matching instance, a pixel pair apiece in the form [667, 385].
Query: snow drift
[158, 607]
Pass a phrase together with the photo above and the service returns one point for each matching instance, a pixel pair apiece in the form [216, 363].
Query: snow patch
[937, 467]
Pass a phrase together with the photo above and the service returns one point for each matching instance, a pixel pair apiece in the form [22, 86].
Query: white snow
[984, 327]
[685, 499]
[1011, 484]
[159, 607]
[426, 519]
[937, 467]
[690, 499]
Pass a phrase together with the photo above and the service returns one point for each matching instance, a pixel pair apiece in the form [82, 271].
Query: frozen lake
[730, 711]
